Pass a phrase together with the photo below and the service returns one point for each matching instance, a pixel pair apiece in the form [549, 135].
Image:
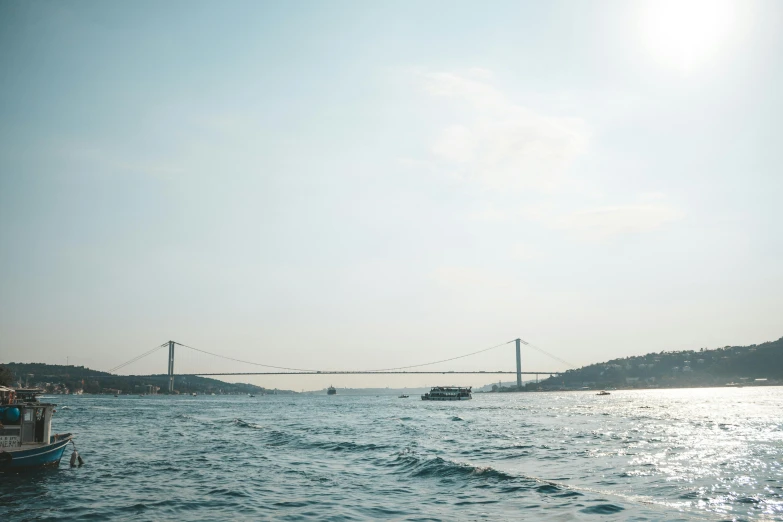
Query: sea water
[687, 454]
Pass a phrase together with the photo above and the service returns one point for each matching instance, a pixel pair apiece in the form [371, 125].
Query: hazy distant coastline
[754, 365]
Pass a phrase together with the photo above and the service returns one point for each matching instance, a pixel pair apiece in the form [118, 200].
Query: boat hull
[37, 457]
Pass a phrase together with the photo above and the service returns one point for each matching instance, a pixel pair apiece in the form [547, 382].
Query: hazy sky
[353, 185]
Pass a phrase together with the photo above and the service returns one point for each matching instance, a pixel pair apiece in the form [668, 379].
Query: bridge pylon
[519, 364]
[171, 366]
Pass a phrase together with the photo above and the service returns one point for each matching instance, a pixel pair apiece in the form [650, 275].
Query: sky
[361, 185]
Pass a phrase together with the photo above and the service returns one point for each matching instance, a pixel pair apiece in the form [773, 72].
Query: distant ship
[331, 391]
[448, 393]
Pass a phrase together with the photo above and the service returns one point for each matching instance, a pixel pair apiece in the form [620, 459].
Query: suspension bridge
[401, 370]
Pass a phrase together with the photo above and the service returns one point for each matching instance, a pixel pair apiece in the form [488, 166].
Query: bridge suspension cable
[126, 363]
[243, 361]
[145, 354]
[533, 346]
[366, 371]
[442, 361]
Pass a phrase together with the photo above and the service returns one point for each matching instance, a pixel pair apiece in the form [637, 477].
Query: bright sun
[685, 33]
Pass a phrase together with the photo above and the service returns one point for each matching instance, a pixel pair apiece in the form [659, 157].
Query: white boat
[448, 393]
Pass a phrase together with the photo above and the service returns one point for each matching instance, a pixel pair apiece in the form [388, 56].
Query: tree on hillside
[6, 377]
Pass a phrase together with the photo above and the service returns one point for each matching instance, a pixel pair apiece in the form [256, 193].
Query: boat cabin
[23, 420]
[448, 393]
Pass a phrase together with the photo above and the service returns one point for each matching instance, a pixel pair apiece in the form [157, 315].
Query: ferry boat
[448, 393]
[26, 438]
[331, 391]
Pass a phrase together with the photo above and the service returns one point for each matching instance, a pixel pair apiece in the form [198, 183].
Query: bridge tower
[171, 365]
[519, 364]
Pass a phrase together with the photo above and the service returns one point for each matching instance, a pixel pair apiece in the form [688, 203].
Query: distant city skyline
[355, 185]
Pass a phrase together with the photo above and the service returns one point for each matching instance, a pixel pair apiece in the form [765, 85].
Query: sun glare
[686, 33]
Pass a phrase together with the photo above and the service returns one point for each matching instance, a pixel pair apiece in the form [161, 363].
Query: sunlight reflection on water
[654, 454]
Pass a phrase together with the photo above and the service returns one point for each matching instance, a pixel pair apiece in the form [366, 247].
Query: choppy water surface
[709, 454]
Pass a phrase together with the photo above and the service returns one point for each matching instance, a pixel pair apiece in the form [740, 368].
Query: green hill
[704, 367]
[55, 378]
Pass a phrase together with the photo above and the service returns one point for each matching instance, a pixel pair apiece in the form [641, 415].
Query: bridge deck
[361, 373]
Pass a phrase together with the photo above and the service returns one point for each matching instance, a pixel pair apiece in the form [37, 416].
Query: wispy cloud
[602, 223]
[524, 252]
[499, 143]
[465, 277]
[590, 223]
[107, 162]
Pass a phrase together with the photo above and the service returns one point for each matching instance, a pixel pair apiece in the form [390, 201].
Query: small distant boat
[250, 395]
[116, 395]
[448, 393]
[331, 391]
[403, 396]
[193, 394]
[28, 441]
[603, 392]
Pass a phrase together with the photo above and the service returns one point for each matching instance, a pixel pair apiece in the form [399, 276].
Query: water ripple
[644, 455]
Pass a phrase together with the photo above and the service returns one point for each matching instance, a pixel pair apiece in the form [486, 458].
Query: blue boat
[26, 438]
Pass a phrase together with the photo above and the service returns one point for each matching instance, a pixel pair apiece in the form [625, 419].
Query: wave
[244, 424]
[346, 446]
[437, 467]
[417, 466]
[602, 509]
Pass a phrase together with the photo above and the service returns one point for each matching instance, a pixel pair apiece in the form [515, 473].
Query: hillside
[55, 378]
[704, 367]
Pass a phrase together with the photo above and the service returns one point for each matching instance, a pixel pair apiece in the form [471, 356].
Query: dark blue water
[710, 454]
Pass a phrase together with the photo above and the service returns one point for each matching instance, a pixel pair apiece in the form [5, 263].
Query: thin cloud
[463, 277]
[523, 252]
[602, 223]
[501, 144]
